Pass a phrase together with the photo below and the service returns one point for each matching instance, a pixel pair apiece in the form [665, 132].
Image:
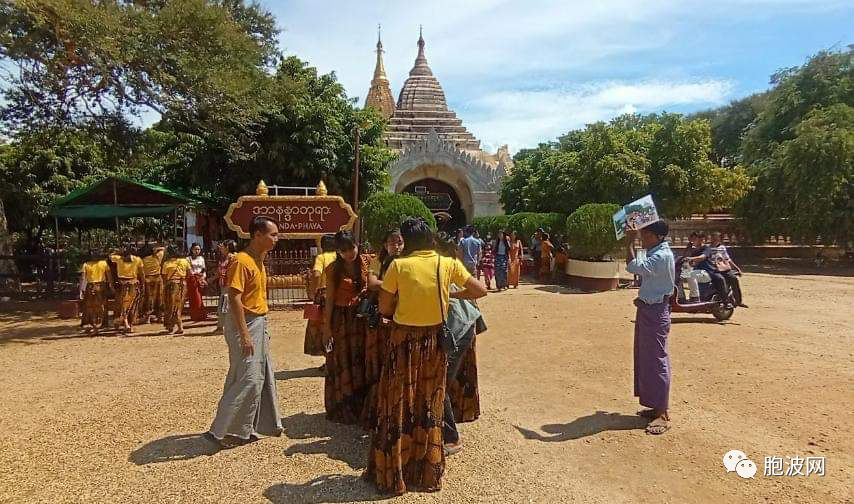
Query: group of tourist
[500, 258]
[148, 284]
[394, 330]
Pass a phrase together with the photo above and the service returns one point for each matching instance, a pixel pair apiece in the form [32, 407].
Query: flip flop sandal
[658, 427]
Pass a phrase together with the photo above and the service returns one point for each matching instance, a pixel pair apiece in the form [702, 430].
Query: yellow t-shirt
[96, 271]
[245, 276]
[413, 278]
[151, 265]
[321, 262]
[128, 269]
[375, 266]
[175, 269]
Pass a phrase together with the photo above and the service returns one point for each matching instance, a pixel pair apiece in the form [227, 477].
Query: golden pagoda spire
[379, 70]
[379, 96]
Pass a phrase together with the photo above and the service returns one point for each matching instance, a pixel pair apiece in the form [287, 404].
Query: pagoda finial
[379, 37]
[421, 67]
[379, 69]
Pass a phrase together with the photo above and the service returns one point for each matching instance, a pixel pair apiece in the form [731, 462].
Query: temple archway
[442, 199]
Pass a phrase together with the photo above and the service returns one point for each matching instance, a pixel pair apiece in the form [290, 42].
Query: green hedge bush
[590, 232]
[385, 211]
[527, 223]
[491, 224]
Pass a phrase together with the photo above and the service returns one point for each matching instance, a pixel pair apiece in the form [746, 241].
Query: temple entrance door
[442, 200]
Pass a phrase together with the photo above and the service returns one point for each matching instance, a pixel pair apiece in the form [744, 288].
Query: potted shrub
[590, 234]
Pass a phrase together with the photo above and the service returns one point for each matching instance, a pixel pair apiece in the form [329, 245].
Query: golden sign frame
[262, 196]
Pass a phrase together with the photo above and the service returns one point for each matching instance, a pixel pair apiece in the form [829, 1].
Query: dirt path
[116, 420]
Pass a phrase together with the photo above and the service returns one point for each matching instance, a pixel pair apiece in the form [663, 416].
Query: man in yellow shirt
[248, 406]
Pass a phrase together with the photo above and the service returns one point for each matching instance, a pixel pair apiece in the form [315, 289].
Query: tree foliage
[199, 63]
[801, 151]
[666, 155]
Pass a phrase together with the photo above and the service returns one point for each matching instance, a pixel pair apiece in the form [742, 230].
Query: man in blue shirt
[652, 323]
[471, 248]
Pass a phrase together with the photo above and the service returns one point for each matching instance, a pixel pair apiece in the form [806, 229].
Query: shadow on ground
[291, 374]
[173, 448]
[581, 427]
[330, 488]
[560, 289]
[347, 443]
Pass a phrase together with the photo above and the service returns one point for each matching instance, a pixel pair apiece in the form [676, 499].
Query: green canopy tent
[116, 198]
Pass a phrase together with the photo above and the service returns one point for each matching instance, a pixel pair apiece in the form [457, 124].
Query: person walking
[472, 250]
[487, 265]
[546, 249]
[652, 323]
[406, 449]
[152, 302]
[195, 283]
[515, 266]
[131, 275]
[96, 280]
[344, 332]
[174, 271]
[502, 260]
[226, 251]
[248, 407]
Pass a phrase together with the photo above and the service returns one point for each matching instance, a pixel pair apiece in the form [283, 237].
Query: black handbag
[446, 340]
[369, 310]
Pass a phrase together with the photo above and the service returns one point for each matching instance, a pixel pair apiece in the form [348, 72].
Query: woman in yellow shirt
[96, 280]
[344, 332]
[152, 301]
[313, 344]
[131, 282]
[174, 272]
[406, 446]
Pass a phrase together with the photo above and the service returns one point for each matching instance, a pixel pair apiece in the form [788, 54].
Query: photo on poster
[636, 215]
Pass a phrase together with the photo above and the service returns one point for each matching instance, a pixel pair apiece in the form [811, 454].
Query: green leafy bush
[590, 231]
[385, 211]
[526, 223]
[491, 224]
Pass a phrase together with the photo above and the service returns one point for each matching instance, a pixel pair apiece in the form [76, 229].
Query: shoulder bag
[446, 340]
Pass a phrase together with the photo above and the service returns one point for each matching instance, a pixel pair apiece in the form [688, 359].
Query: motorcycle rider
[726, 268]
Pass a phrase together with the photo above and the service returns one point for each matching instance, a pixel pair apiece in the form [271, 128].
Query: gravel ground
[118, 420]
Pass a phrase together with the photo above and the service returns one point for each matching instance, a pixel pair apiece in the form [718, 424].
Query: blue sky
[521, 72]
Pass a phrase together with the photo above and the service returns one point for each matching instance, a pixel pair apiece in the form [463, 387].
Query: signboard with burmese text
[298, 217]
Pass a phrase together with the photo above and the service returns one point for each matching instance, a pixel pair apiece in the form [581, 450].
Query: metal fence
[287, 278]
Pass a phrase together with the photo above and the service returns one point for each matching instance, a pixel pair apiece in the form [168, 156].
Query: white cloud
[526, 117]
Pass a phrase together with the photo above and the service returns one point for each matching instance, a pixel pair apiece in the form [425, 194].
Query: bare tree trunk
[7, 267]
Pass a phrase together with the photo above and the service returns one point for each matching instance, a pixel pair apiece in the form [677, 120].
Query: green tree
[801, 152]
[199, 63]
[666, 155]
[729, 124]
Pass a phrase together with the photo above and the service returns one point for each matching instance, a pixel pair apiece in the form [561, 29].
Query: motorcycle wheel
[720, 311]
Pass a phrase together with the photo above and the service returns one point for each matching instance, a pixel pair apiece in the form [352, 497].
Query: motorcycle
[710, 301]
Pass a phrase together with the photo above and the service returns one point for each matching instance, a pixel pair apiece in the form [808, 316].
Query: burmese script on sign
[294, 215]
[295, 218]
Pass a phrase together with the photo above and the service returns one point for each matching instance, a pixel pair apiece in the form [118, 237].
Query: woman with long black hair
[502, 249]
[377, 331]
[407, 449]
[344, 332]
